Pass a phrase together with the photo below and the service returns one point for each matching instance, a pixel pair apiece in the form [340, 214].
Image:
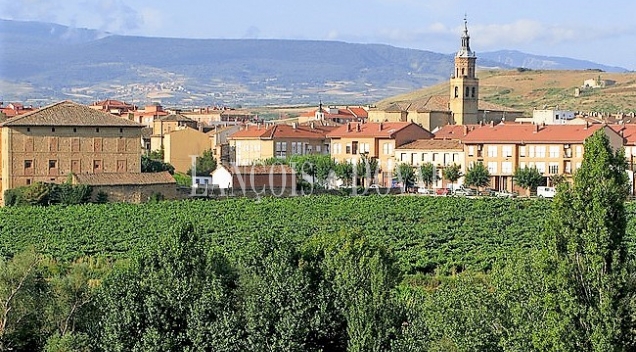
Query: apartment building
[48, 144]
[254, 144]
[552, 149]
[353, 141]
[440, 153]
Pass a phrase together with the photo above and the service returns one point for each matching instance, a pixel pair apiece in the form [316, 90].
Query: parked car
[505, 194]
[425, 191]
[489, 192]
[461, 191]
[443, 191]
[546, 192]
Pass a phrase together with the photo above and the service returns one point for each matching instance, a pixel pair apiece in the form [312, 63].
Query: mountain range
[44, 62]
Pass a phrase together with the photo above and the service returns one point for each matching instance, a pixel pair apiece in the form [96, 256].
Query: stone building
[48, 144]
[130, 187]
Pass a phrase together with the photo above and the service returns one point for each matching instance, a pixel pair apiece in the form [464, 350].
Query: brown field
[537, 89]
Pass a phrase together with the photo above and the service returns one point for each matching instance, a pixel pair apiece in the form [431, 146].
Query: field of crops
[423, 232]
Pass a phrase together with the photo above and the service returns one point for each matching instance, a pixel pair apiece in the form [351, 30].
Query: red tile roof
[628, 131]
[370, 130]
[507, 133]
[434, 144]
[281, 131]
[458, 132]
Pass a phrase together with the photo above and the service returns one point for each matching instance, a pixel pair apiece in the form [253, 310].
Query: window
[467, 89]
[348, 149]
[28, 167]
[553, 168]
[540, 167]
[456, 92]
[446, 158]
[97, 166]
[568, 167]
[472, 92]
[402, 157]
[318, 149]
[424, 156]
[540, 152]
[579, 151]
[354, 147]
[492, 167]
[522, 165]
[364, 148]
[281, 149]
[434, 158]
[387, 148]
[506, 150]
[492, 151]
[53, 167]
[471, 150]
[531, 151]
[121, 165]
[75, 166]
[28, 144]
[506, 168]
[554, 151]
[522, 151]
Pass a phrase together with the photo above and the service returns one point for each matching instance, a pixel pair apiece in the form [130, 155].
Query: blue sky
[599, 31]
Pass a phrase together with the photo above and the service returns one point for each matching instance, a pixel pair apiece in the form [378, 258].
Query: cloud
[31, 10]
[112, 15]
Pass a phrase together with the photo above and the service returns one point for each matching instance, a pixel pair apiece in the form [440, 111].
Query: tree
[427, 174]
[587, 244]
[152, 165]
[557, 179]
[528, 177]
[452, 173]
[406, 175]
[344, 170]
[477, 175]
[205, 164]
[367, 168]
[22, 296]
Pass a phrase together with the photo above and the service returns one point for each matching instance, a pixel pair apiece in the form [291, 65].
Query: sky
[600, 31]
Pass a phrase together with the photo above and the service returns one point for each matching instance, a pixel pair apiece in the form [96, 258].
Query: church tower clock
[464, 85]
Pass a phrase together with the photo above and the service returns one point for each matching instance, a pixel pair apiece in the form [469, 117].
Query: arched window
[456, 91]
[463, 71]
[467, 92]
[473, 92]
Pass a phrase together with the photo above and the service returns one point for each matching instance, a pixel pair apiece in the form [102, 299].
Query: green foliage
[47, 194]
[156, 197]
[477, 175]
[452, 173]
[427, 174]
[101, 197]
[528, 177]
[22, 291]
[71, 342]
[150, 164]
[344, 171]
[183, 180]
[205, 164]
[367, 169]
[406, 175]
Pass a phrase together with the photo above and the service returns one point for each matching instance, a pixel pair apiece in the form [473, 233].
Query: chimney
[348, 126]
[492, 123]
[587, 124]
[358, 127]
[311, 125]
[380, 127]
[295, 125]
[465, 130]
[536, 128]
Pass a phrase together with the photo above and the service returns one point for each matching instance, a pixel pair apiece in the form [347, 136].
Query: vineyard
[423, 232]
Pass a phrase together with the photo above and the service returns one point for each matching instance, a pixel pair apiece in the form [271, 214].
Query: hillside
[536, 89]
[43, 62]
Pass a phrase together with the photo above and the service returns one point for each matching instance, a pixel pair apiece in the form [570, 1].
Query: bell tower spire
[464, 85]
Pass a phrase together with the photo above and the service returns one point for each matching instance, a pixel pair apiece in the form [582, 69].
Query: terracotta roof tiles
[516, 133]
[68, 113]
[433, 144]
[121, 179]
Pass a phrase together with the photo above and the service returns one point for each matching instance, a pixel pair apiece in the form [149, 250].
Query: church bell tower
[464, 85]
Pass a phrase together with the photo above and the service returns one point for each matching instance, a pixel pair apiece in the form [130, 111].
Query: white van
[546, 192]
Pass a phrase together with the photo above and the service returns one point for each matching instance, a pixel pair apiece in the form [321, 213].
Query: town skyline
[601, 34]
